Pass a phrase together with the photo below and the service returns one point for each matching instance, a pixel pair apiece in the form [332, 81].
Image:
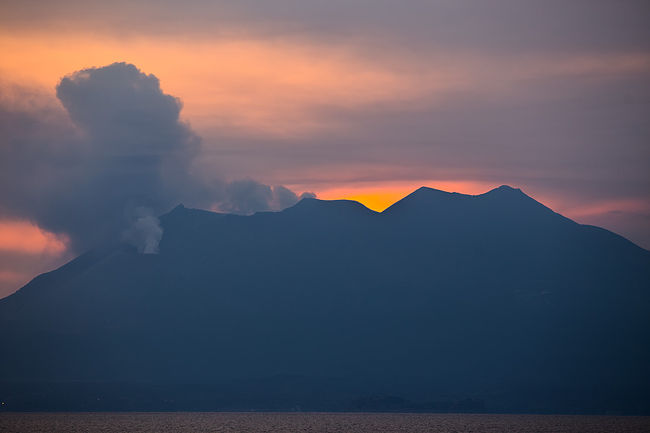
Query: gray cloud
[566, 134]
[248, 196]
[118, 156]
[495, 26]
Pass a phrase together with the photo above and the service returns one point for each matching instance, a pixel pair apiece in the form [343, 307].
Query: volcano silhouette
[443, 302]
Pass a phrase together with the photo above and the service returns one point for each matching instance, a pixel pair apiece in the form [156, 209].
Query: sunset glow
[285, 87]
[27, 238]
[378, 196]
[271, 87]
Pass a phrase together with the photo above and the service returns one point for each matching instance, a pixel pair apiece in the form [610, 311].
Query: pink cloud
[27, 238]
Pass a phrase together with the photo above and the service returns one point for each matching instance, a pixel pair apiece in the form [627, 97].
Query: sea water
[255, 422]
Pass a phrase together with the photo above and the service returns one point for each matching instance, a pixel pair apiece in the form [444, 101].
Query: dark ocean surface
[110, 422]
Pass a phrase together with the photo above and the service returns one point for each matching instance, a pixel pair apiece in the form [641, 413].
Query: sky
[111, 113]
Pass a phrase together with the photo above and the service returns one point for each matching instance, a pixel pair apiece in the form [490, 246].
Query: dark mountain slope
[441, 299]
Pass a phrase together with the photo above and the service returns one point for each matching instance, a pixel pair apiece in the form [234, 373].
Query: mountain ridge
[511, 306]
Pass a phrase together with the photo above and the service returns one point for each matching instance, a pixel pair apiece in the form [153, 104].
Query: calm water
[315, 423]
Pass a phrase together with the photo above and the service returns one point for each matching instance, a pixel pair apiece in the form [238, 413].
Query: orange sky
[380, 195]
[278, 86]
[255, 85]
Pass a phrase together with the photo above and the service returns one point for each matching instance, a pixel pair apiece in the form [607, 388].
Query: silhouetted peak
[507, 194]
[425, 197]
[506, 190]
[318, 205]
[182, 213]
[427, 191]
[514, 202]
[178, 210]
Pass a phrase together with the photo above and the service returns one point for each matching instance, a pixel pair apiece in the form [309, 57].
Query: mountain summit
[443, 302]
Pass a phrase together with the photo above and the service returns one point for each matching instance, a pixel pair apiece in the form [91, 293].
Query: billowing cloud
[118, 156]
